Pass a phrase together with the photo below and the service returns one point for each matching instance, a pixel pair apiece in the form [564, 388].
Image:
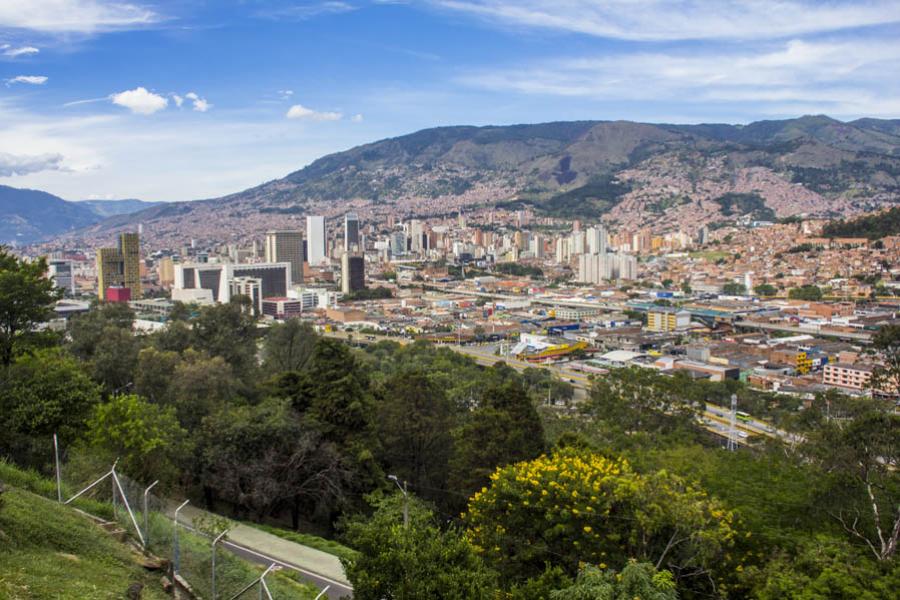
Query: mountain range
[662, 176]
[28, 216]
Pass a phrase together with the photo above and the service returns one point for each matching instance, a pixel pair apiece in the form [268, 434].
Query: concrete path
[320, 568]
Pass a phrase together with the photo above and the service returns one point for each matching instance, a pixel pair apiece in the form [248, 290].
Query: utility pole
[732, 430]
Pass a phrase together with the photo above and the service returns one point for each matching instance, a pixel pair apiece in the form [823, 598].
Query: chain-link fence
[194, 543]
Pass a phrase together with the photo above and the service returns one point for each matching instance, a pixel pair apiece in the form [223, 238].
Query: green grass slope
[52, 551]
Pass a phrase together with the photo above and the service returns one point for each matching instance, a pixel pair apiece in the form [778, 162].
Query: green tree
[765, 289]
[115, 358]
[155, 374]
[862, 455]
[43, 393]
[86, 331]
[575, 506]
[806, 292]
[503, 428]
[146, 438]
[228, 331]
[414, 562]
[288, 346]
[199, 386]
[734, 289]
[637, 580]
[27, 297]
[413, 423]
[260, 458]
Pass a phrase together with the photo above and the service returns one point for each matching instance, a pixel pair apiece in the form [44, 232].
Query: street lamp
[405, 499]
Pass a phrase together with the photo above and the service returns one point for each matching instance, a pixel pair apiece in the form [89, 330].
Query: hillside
[630, 173]
[27, 216]
[50, 551]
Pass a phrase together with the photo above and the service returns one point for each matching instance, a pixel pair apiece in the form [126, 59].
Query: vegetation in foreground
[506, 498]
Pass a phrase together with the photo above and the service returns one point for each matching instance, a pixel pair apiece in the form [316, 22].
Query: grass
[51, 551]
[710, 255]
[313, 541]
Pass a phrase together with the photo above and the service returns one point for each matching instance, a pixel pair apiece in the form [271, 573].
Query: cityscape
[449, 300]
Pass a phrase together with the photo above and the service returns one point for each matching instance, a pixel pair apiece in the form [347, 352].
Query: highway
[716, 419]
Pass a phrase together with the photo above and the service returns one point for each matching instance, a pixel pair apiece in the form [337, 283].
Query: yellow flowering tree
[574, 507]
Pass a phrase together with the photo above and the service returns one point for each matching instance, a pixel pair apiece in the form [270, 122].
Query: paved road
[317, 567]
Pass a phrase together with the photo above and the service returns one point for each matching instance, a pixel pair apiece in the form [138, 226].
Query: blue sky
[185, 99]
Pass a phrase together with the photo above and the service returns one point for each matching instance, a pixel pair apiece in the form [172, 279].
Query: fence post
[58, 478]
[175, 554]
[146, 515]
[214, 542]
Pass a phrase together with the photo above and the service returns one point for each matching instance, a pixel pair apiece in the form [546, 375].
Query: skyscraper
[315, 240]
[120, 266]
[286, 246]
[353, 272]
[351, 233]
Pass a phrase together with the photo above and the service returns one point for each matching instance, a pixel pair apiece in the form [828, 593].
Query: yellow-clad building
[120, 266]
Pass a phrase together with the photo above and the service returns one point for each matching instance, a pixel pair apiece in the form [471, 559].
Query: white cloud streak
[199, 104]
[29, 79]
[140, 101]
[20, 51]
[661, 20]
[74, 16]
[839, 77]
[298, 111]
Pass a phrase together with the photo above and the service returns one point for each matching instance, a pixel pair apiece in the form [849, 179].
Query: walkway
[317, 567]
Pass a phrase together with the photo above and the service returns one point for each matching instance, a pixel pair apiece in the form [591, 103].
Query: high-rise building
[351, 233]
[120, 266]
[286, 246]
[62, 275]
[315, 240]
[274, 278]
[398, 243]
[353, 272]
[165, 271]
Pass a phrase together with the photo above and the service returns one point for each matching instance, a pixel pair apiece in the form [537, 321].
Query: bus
[742, 416]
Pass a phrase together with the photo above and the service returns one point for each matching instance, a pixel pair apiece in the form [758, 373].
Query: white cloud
[29, 79]
[298, 111]
[74, 16]
[654, 20]
[357, 118]
[140, 101]
[21, 51]
[17, 164]
[200, 104]
[840, 77]
[308, 10]
[179, 100]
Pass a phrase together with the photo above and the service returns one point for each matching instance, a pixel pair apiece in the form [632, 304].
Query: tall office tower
[398, 243]
[120, 266]
[562, 250]
[286, 246]
[627, 266]
[703, 236]
[416, 229]
[576, 243]
[62, 275]
[315, 240]
[165, 271]
[353, 272]
[351, 233]
[537, 246]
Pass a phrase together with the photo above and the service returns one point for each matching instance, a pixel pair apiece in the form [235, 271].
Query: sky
[187, 99]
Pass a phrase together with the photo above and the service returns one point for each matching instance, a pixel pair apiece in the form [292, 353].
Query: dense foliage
[872, 227]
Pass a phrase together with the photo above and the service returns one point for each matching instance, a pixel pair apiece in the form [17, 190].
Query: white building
[315, 240]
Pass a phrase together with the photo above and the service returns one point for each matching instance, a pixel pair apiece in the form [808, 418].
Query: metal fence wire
[194, 546]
